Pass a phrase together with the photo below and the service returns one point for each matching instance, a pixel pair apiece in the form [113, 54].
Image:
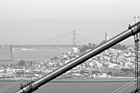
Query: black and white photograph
[69, 46]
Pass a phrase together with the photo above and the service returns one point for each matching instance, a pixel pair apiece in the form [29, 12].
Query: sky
[30, 21]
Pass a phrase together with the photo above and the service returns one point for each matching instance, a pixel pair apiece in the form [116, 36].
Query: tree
[119, 47]
[109, 73]
[21, 63]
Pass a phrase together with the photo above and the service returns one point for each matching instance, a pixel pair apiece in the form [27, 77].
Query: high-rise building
[106, 36]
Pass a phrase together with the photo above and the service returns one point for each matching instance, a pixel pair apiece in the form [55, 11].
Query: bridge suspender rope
[136, 81]
[136, 39]
[36, 84]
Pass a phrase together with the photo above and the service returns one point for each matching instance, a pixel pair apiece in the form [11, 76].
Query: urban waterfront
[79, 85]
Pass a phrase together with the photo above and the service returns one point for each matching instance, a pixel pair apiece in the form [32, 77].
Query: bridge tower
[6, 53]
[74, 38]
[106, 36]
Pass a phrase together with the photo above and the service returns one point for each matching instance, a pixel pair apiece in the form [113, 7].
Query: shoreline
[80, 80]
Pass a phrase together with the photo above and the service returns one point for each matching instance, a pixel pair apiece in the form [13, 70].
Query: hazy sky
[29, 21]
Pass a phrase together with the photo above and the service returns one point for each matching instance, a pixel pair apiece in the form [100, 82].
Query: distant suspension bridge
[71, 38]
[74, 38]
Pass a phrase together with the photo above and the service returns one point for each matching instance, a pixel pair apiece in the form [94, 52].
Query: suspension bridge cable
[9, 86]
[85, 39]
[79, 42]
[89, 36]
[54, 38]
[123, 87]
[60, 36]
[136, 40]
